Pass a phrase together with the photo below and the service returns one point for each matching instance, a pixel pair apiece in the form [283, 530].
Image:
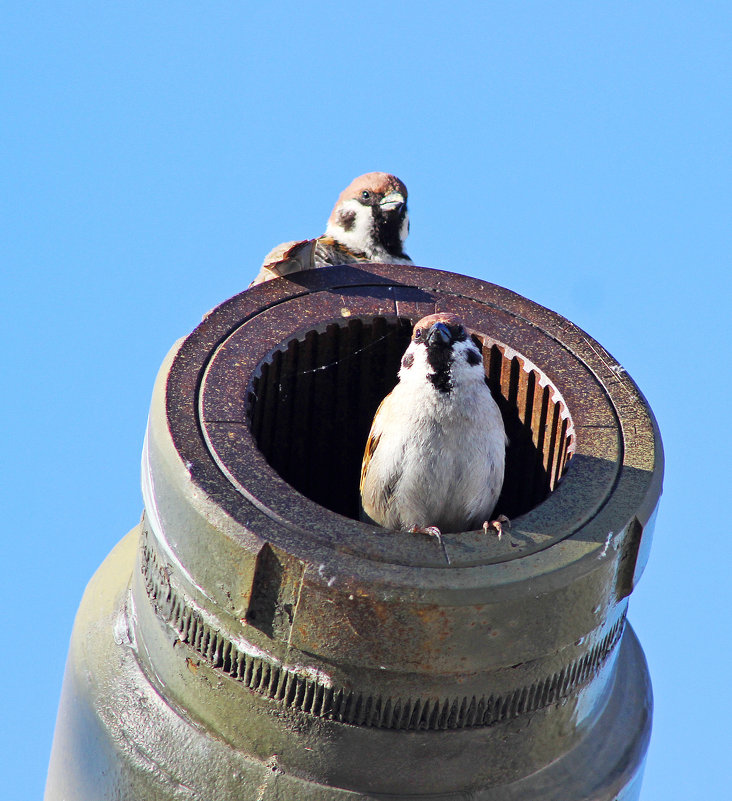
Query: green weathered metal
[267, 644]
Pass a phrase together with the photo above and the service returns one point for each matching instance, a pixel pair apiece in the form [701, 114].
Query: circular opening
[313, 399]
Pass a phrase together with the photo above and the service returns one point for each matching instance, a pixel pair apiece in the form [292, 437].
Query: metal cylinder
[251, 639]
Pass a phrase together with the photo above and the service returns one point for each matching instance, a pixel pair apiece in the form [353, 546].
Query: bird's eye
[418, 334]
[366, 195]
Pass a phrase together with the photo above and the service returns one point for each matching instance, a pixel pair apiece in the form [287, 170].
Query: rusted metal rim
[225, 360]
[311, 401]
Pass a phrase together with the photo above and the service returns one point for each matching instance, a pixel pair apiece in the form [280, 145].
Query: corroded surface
[348, 656]
[117, 737]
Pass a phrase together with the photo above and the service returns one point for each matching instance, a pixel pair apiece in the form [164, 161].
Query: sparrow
[434, 459]
[369, 222]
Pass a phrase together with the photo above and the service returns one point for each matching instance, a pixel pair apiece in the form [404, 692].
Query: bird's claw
[496, 525]
[431, 531]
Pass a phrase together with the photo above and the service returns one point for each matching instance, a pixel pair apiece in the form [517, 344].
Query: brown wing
[294, 257]
[329, 252]
[377, 495]
[285, 259]
[371, 444]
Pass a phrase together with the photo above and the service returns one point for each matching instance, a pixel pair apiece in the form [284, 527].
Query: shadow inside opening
[312, 403]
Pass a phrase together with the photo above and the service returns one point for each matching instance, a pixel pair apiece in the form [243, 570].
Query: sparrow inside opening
[313, 401]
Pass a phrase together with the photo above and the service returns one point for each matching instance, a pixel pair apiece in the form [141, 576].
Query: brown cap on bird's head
[452, 321]
[376, 183]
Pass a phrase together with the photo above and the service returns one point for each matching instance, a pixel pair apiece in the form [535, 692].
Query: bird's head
[371, 217]
[442, 348]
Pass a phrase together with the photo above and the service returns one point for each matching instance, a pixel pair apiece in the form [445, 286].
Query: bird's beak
[438, 335]
[393, 201]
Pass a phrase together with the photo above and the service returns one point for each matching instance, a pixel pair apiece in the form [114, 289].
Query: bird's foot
[496, 525]
[431, 531]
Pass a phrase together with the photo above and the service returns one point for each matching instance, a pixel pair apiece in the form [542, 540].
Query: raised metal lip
[336, 283]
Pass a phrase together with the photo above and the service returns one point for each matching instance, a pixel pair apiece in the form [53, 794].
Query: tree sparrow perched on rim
[435, 456]
[368, 223]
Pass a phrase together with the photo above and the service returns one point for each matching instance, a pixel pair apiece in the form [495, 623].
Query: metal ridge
[296, 692]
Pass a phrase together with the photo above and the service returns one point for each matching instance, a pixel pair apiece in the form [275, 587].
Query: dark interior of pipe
[314, 399]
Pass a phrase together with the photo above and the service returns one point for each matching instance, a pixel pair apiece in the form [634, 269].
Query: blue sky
[152, 153]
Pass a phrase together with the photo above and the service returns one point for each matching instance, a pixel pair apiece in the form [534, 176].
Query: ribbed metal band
[295, 691]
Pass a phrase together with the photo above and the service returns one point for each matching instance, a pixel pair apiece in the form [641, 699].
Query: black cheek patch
[408, 360]
[472, 357]
[347, 219]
